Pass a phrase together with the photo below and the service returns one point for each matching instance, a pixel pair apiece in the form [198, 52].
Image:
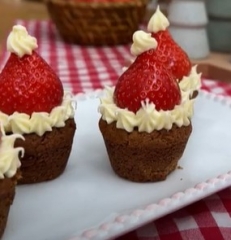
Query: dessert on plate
[9, 174]
[172, 55]
[34, 104]
[146, 118]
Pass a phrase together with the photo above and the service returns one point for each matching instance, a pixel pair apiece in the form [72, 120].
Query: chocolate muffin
[7, 193]
[141, 156]
[46, 157]
[146, 119]
[34, 104]
[9, 174]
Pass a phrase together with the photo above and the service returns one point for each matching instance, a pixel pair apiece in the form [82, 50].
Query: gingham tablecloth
[83, 69]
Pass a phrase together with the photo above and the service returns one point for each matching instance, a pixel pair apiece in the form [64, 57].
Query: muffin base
[144, 157]
[46, 157]
[7, 193]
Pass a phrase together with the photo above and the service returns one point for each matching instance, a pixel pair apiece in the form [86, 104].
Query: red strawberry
[147, 78]
[28, 85]
[172, 55]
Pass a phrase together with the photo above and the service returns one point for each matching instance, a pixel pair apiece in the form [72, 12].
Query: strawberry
[172, 55]
[28, 85]
[147, 78]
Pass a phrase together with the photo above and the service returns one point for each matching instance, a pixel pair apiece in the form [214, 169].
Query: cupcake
[146, 118]
[172, 55]
[9, 174]
[34, 104]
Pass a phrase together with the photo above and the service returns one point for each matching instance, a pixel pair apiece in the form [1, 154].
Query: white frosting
[38, 122]
[147, 119]
[9, 156]
[158, 22]
[192, 82]
[125, 119]
[142, 42]
[20, 42]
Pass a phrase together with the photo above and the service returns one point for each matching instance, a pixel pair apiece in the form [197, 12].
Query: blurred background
[200, 27]
[10, 10]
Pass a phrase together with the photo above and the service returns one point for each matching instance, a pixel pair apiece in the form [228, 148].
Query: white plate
[90, 202]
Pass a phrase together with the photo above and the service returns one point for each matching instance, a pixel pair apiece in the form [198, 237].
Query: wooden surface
[19, 9]
[216, 66]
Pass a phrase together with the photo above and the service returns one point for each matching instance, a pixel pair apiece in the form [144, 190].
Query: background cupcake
[169, 53]
[9, 174]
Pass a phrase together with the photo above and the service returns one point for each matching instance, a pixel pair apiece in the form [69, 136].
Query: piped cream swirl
[20, 42]
[39, 122]
[142, 42]
[158, 22]
[9, 156]
[192, 82]
[147, 119]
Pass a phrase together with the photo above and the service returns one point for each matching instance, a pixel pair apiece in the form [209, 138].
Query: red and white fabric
[84, 69]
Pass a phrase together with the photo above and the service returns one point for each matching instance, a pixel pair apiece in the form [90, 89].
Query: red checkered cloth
[83, 69]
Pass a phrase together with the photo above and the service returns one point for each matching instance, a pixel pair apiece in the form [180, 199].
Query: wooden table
[19, 9]
[217, 65]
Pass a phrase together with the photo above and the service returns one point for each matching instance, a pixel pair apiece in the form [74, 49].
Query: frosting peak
[192, 82]
[9, 156]
[39, 122]
[142, 42]
[20, 42]
[147, 119]
[158, 22]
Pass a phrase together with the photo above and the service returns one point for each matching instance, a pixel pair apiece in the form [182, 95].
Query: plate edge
[153, 211]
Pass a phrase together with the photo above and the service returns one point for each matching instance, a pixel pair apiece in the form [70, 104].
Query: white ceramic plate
[90, 202]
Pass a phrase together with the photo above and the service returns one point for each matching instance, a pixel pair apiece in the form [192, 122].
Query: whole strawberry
[168, 51]
[28, 84]
[172, 55]
[148, 79]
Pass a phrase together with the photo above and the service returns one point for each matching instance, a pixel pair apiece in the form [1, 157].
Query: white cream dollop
[192, 82]
[39, 122]
[125, 120]
[20, 42]
[147, 119]
[142, 42]
[9, 156]
[158, 22]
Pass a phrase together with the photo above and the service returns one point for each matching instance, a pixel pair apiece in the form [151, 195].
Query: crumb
[179, 167]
